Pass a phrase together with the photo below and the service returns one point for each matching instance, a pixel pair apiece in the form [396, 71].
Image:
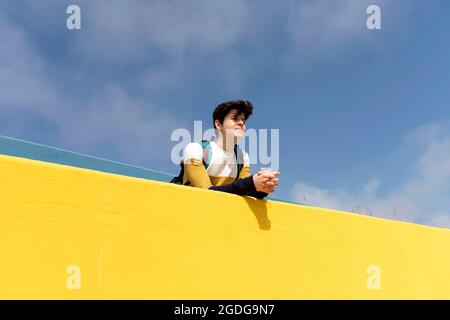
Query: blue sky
[364, 115]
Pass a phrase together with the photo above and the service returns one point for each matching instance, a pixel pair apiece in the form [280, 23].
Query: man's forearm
[242, 187]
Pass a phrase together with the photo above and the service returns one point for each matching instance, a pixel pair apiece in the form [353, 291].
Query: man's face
[233, 125]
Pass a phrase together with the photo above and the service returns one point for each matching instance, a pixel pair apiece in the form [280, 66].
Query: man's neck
[225, 144]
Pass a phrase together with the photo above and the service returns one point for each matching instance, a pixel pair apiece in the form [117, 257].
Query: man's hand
[266, 180]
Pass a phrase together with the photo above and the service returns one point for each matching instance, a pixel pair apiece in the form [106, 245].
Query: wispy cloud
[422, 197]
[135, 127]
[23, 85]
[326, 23]
[326, 27]
[442, 220]
[120, 30]
[110, 117]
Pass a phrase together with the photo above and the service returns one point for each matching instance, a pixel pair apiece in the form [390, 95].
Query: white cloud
[158, 41]
[22, 84]
[423, 196]
[325, 23]
[321, 26]
[134, 126]
[442, 220]
[120, 30]
[115, 31]
[110, 117]
[426, 134]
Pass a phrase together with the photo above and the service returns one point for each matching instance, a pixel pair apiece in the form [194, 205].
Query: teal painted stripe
[34, 151]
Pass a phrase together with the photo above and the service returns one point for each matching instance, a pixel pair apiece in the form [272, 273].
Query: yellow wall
[140, 239]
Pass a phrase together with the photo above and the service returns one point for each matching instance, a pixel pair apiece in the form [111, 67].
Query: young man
[227, 168]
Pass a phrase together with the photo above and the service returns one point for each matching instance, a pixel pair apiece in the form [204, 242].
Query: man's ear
[217, 124]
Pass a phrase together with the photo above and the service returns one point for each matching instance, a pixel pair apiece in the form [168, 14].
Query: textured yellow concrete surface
[70, 233]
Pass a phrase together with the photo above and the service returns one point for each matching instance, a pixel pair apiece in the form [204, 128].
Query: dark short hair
[245, 107]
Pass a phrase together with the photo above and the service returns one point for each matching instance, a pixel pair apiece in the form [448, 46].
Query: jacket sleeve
[194, 170]
[240, 187]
